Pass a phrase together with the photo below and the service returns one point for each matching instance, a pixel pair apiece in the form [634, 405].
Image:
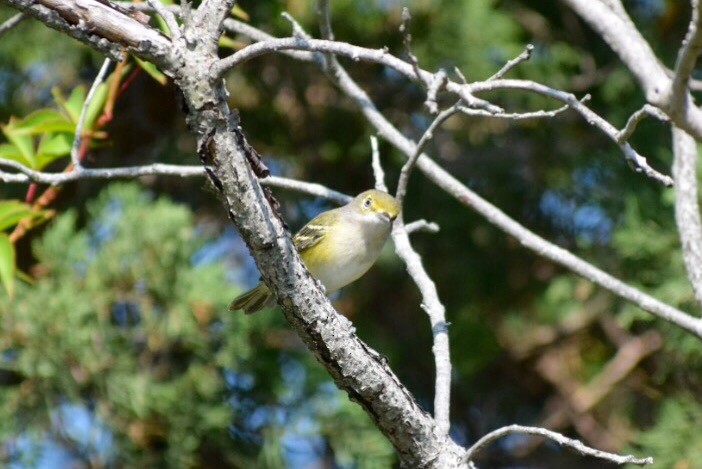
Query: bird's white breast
[355, 252]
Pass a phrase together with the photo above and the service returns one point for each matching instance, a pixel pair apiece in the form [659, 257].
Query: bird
[337, 246]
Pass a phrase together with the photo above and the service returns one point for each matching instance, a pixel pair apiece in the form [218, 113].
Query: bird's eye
[367, 203]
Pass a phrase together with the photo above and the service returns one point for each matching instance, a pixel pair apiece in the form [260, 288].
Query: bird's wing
[313, 232]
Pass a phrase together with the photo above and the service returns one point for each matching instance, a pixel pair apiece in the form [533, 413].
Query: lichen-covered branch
[234, 169]
[687, 209]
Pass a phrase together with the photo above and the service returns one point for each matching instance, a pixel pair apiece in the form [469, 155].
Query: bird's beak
[389, 216]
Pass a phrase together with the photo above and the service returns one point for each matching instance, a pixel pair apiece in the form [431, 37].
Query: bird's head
[377, 203]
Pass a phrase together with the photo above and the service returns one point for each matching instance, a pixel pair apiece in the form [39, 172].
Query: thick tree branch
[100, 26]
[355, 368]
[234, 169]
[168, 17]
[687, 209]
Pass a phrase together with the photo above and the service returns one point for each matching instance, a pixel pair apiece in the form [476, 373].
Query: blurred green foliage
[121, 320]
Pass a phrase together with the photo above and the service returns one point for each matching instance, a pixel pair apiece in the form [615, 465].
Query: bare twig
[27, 175]
[465, 92]
[430, 303]
[687, 209]
[631, 124]
[422, 225]
[515, 116]
[423, 141]
[378, 172]
[11, 23]
[407, 42]
[523, 57]
[78, 138]
[564, 441]
[436, 84]
[168, 16]
[310, 188]
[639, 163]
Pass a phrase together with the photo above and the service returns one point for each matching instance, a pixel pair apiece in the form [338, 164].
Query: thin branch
[324, 15]
[687, 58]
[407, 42]
[422, 225]
[78, 138]
[423, 141]
[430, 303]
[378, 172]
[310, 188]
[516, 116]
[436, 84]
[465, 92]
[493, 214]
[430, 299]
[647, 110]
[12, 22]
[437, 317]
[27, 175]
[639, 163]
[498, 218]
[564, 441]
[168, 17]
[687, 209]
[523, 57]
[356, 53]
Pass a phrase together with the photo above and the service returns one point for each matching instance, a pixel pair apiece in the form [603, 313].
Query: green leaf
[230, 43]
[55, 144]
[24, 143]
[7, 264]
[240, 13]
[96, 106]
[11, 152]
[42, 121]
[12, 211]
[73, 105]
[53, 147]
[153, 72]
[160, 23]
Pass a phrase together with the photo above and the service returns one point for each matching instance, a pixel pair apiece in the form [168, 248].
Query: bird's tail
[253, 300]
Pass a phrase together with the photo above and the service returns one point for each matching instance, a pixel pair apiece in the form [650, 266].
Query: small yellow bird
[337, 246]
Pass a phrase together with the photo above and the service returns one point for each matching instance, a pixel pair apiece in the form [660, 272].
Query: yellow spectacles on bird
[337, 246]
